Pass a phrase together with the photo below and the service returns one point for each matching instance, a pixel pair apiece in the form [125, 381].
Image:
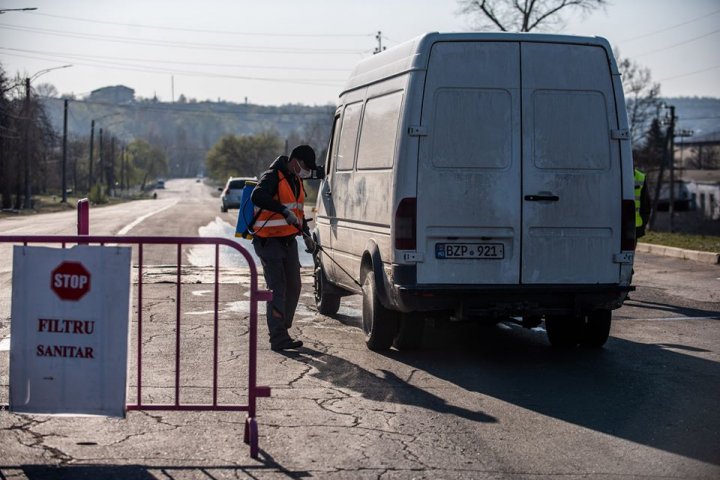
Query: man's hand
[290, 217]
[310, 245]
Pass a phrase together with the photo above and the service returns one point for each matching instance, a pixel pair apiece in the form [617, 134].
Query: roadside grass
[703, 243]
[53, 204]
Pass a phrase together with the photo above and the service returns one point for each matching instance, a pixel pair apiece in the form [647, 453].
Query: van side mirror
[320, 172]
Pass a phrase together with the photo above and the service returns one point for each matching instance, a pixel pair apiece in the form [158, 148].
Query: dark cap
[306, 154]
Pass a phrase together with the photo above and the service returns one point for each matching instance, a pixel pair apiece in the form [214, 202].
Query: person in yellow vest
[279, 219]
[642, 204]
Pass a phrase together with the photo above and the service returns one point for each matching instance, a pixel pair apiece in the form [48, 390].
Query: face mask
[304, 173]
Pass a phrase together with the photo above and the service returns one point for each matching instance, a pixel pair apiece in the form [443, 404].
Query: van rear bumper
[503, 300]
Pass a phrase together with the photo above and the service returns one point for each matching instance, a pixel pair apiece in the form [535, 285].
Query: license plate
[469, 250]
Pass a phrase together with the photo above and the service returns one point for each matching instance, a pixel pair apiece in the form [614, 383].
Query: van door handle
[542, 198]
[327, 193]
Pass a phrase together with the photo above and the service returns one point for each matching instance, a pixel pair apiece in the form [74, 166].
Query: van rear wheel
[563, 331]
[379, 323]
[596, 328]
[326, 303]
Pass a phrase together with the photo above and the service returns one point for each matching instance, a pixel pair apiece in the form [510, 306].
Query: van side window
[348, 136]
[333, 145]
[379, 131]
[473, 128]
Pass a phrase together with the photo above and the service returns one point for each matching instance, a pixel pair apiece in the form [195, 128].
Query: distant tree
[642, 96]
[652, 153]
[148, 162]
[243, 156]
[523, 16]
[47, 90]
[6, 133]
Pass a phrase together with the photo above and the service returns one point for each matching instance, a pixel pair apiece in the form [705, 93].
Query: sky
[275, 52]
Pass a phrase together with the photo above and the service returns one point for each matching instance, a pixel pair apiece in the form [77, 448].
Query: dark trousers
[281, 268]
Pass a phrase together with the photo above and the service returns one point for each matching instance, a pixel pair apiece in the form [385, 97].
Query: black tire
[563, 331]
[410, 331]
[596, 328]
[326, 303]
[379, 323]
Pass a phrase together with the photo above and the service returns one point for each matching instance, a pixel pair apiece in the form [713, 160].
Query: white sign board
[69, 330]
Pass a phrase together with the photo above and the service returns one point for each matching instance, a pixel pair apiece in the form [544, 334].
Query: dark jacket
[267, 187]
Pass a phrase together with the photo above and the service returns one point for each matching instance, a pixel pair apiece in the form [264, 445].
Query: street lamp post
[28, 189]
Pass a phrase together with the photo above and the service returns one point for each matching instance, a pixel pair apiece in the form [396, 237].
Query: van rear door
[518, 177]
[468, 210]
[571, 175]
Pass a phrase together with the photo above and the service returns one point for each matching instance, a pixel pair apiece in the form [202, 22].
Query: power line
[224, 32]
[145, 69]
[689, 73]
[668, 47]
[174, 44]
[172, 62]
[655, 31]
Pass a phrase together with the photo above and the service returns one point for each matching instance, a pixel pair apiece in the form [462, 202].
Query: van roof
[414, 54]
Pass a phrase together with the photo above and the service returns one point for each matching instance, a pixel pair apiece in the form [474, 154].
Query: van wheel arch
[372, 262]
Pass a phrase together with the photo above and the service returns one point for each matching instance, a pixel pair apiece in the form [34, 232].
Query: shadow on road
[650, 394]
[149, 472]
[386, 388]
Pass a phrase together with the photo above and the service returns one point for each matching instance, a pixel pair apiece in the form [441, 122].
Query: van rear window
[570, 130]
[237, 184]
[472, 128]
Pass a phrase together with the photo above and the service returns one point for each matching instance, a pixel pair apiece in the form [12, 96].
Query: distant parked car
[160, 183]
[231, 194]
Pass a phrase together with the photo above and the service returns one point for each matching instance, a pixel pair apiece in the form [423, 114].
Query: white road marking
[5, 344]
[139, 220]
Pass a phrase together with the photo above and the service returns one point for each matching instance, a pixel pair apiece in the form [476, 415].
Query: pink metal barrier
[256, 295]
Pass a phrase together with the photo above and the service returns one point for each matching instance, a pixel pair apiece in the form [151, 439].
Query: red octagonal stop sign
[70, 281]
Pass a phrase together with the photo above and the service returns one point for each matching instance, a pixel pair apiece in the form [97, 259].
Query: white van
[480, 176]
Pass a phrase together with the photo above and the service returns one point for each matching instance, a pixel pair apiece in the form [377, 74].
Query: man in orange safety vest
[279, 218]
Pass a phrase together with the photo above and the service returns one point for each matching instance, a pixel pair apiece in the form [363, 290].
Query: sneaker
[287, 345]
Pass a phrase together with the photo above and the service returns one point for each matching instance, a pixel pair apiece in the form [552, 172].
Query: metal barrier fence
[256, 295]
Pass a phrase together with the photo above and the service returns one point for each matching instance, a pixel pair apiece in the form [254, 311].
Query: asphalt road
[493, 402]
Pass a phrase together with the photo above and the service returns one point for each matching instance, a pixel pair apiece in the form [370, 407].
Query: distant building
[704, 189]
[117, 94]
[698, 151]
[695, 190]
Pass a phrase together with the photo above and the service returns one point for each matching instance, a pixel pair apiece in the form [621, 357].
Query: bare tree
[523, 15]
[47, 90]
[642, 96]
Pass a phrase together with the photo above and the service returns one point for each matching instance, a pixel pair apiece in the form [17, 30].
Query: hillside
[699, 114]
[187, 131]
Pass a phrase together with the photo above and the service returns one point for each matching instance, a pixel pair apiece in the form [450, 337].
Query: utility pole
[379, 48]
[27, 203]
[671, 134]
[111, 179]
[667, 161]
[64, 157]
[101, 154]
[92, 138]
[122, 169]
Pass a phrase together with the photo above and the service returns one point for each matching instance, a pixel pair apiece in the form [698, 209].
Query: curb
[697, 256]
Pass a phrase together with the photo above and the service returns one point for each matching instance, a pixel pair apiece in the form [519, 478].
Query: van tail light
[406, 224]
[627, 232]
